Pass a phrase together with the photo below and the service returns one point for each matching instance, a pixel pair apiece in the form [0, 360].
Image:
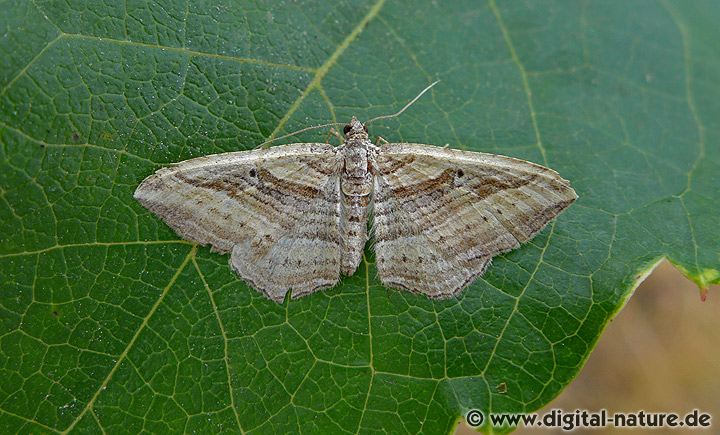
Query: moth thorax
[356, 160]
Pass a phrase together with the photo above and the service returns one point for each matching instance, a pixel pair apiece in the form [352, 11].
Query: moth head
[355, 130]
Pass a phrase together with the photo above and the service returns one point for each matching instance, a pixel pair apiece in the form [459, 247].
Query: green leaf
[110, 321]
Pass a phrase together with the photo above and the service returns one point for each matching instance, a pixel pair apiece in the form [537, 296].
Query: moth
[295, 217]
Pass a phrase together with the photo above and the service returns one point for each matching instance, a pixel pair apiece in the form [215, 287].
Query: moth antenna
[406, 106]
[302, 130]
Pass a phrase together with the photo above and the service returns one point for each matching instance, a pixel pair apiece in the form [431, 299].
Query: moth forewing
[450, 211]
[275, 210]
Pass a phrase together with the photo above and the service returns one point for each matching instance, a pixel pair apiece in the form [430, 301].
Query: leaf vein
[225, 341]
[23, 71]
[132, 341]
[321, 72]
[191, 53]
[523, 77]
